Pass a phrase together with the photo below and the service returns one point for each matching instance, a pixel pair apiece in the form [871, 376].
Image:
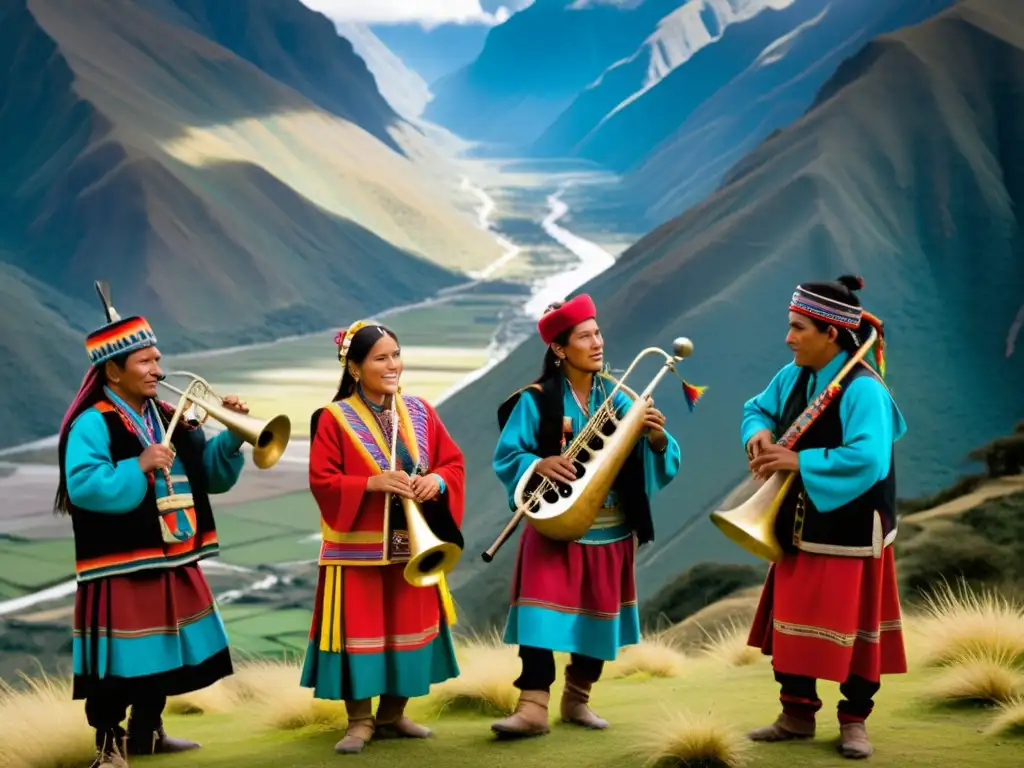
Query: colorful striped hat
[118, 336]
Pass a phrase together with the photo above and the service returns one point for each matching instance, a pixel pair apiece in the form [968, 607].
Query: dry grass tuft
[216, 699]
[694, 741]
[488, 667]
[271, 688]
[960, 623]
[43, 726]
[729, 646]
[651, 657]
[1009, 719]
[979, 678]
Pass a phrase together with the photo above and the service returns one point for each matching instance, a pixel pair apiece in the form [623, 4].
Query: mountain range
[907, 169]
[233, 174]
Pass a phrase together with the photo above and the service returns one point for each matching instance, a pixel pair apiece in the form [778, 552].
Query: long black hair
[90, 393]
[362, 342]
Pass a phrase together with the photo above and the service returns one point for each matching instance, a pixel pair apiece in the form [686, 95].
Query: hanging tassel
[879, 346]
[692, 394]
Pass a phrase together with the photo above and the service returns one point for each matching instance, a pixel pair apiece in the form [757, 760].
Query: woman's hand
[758, 443]
[557, 468]
[397, 482]
[774, 458]
[654, 424]
[425, 487]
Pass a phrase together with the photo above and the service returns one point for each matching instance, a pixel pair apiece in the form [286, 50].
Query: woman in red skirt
[830, 609]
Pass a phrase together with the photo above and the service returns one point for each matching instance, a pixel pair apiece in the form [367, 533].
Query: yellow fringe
[330, 616]
[447, 603]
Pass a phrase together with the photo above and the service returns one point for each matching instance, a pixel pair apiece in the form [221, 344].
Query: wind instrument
[430, 557]
[566, 511]
[751, 525]
[267, 438]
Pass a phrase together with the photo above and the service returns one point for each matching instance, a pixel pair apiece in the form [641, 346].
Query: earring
[558, 362]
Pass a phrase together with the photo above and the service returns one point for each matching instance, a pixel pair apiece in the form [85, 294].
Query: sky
[426, 12]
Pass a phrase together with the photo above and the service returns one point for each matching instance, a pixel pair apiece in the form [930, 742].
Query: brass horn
[267, 438]
[751, 525]
[430, 557]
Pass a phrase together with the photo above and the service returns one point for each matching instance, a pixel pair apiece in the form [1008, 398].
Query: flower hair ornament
[344, 338]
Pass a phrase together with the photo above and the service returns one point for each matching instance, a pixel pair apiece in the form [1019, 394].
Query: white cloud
[426, 12]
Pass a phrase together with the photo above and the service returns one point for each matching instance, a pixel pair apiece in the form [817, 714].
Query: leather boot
[144, 741]
[530, 717]
[392, 722]
[111, 749]
[853, 741]
[360, 727]
[575, 704]
[785, 728]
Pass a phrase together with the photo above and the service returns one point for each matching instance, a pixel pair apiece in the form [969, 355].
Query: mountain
[224, 204]
[686, 132]
[908, 170]
[677, 38]
[533, 65]
[433, 52]
[404, 89]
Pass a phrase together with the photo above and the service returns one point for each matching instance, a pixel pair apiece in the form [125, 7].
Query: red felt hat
[570, 314]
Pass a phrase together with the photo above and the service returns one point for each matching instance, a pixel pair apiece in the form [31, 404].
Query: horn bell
[268, 437]
[751, 525]
[430, 557]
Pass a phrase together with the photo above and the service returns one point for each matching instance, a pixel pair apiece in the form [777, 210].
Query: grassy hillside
[923, 202]
[226, 204]
[666, 707]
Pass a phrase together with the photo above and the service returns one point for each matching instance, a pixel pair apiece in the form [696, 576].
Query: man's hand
[758, 443]
[233, 403]
[774, 458]
[425, 488]
[557, 468]
[156, 457]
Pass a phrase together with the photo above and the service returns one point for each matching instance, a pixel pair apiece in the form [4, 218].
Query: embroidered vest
[381, 539]
[859, 528]
[112, 544]
[628, 487]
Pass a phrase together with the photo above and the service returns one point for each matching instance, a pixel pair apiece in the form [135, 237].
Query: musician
[373, 633]
[577, 597]
[830, 609]
[146, 625]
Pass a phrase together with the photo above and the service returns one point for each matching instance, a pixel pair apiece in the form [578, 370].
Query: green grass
[26, 566]
[906, 730]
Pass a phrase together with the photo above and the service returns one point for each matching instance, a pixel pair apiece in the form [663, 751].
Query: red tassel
[692, 394]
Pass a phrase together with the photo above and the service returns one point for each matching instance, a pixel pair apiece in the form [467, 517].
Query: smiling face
[381, 370]
[585, 348]
[811, 348]
[136, 381]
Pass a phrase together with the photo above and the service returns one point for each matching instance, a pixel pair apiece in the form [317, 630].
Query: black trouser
[799, 697]
[539, 669]
[106, 711]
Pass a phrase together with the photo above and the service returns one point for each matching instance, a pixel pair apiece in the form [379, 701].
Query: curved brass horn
[751, 525]
[268, 438]
[430, 557]
[566, 511]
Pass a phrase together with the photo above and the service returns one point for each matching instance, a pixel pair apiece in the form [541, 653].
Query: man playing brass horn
[830, 609]
[146, 625]
[373, 633]
[576, 597]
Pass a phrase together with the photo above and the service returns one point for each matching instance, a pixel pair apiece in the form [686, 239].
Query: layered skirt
[373, 633]
[573, 597]
[156, 632]
[829, 617]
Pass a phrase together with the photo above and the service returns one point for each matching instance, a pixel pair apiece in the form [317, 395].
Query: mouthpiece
[682, 347]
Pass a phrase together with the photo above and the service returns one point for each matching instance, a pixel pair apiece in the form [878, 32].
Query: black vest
[122, 537]
[629, 484]
[853, 529]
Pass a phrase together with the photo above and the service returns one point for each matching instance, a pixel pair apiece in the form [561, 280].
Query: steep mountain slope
[678, 37]
[909, 171]
[688, 131]
[533, 65]
[404, 89]
[223, 204]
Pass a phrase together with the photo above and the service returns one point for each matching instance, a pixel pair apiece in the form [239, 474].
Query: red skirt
[572, 597]
[829, 617]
